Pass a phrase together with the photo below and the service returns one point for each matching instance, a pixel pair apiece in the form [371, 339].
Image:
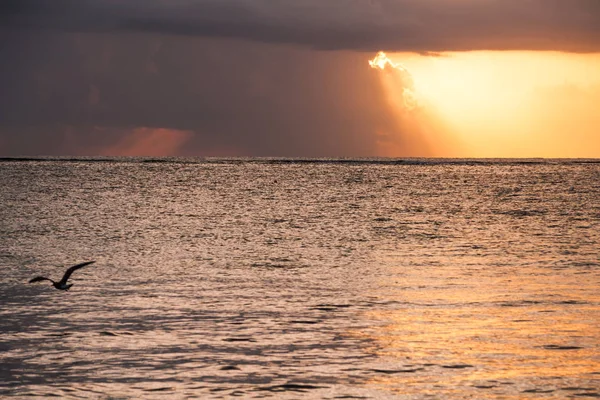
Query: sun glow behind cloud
[381, 62]
[501, 104]
[419, 131]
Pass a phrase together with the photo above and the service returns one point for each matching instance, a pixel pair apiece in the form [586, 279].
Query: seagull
[62, 285]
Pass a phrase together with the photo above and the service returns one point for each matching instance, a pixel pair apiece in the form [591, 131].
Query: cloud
[394, 25]
[84, 94]
[143, 141]
[418, 126]
[399, 78]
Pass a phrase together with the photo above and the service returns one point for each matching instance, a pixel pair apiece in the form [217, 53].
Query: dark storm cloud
[393, 25]
[71, 93]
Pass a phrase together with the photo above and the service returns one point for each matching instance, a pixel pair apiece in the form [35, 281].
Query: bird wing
[40, 278]
[68, 273]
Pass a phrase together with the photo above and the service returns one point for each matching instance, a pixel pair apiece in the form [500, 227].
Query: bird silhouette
[62, 284]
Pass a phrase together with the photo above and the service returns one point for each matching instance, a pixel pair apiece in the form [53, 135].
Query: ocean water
[327, 279]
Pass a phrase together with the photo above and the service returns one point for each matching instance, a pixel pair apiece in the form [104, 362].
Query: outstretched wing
[40, 278]
[67, 274]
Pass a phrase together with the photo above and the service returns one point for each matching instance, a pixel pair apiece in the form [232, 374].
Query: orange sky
[502, 104]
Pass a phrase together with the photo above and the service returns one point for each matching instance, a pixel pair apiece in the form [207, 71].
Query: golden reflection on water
[252, 279]
[490, 331]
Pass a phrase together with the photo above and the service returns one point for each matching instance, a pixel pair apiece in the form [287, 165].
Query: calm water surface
[265, 278]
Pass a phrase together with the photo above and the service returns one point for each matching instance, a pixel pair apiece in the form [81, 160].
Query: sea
[300, 278]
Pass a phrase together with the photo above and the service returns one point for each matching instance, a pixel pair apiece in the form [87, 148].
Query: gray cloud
[392, 25]
[80, 94]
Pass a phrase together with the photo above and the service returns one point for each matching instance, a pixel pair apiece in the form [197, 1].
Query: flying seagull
[62, 285]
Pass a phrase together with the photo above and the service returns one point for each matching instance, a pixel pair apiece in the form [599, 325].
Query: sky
[289, 78]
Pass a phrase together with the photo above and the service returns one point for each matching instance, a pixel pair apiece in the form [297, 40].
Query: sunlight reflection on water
[282, 279]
